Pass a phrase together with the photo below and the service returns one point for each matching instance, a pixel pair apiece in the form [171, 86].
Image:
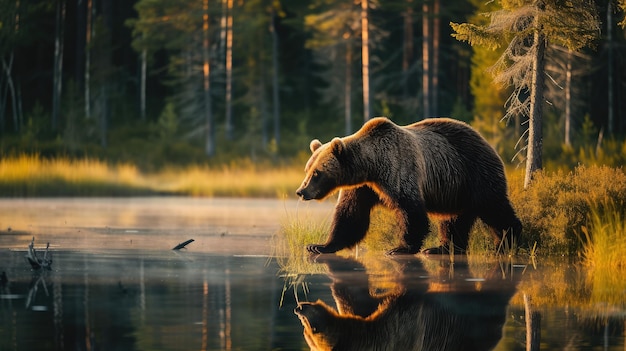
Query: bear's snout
[305, 309]
[303, 194]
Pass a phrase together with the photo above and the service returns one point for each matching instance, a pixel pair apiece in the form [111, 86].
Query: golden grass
[33, 175]
[603, 253]
[605, 238]
[229, 181]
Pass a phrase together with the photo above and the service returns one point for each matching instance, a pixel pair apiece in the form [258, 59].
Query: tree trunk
[426, 40]
[81, 23]
[434, 107]
[535, 133]
[88, 36]
[347, 89]
[533, 325]
[142, 88]
[3, 100]
[365, 60]
[8, 67]
[106, 66]
[568, 98]
[229, 70]
[407, 49]
[263, 103]
[223, 20]
[57, 80]
[609, 39]
[275, 91]
[206, 75]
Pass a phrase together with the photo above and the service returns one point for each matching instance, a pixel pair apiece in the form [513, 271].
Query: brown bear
[438, 166]
[467, 314]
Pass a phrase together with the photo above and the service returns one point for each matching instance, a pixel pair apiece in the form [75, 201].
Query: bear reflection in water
[428, 304]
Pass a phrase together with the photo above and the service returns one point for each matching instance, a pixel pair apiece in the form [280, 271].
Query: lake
[116, 284]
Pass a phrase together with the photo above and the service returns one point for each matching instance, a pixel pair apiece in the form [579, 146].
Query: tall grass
[33, 175]
[604, 240]
[247, 181]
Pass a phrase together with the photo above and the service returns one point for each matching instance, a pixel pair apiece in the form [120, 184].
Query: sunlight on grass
[603, 253]
[289, 243]
[33, 175]
[556, 205]
[229, 181]
[605, 238]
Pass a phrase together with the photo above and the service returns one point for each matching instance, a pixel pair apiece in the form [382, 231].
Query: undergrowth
[557, 205]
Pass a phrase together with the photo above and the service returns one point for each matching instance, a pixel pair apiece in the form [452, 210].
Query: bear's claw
[442, 250]
[319, 249]
[403, 250]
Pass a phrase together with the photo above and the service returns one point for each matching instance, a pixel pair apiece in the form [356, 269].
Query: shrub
[557, 205]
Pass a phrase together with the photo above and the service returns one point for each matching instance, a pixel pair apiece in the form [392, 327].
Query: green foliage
[35, 125]
[573, 24]
[523, 25]
[489, 98]
[557, 205]
[168, 122]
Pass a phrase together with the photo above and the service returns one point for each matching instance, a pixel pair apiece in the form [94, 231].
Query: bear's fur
[438, 166]
[417, 316]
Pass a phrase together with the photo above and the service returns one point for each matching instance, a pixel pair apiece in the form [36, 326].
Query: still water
[115, 284]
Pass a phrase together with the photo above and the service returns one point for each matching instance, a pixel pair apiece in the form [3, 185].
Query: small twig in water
[182, 245]
[36, 262]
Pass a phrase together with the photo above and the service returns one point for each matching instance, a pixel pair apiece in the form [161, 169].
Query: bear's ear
[314, 145]
[337, 146]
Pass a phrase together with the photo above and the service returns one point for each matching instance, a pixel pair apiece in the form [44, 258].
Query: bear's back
[468, 143]
[461, 162]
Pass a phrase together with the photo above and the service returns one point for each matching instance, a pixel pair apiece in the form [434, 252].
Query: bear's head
[324, 329]
[323, 170]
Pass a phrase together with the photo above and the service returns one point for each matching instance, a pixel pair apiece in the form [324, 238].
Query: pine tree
[528, 26]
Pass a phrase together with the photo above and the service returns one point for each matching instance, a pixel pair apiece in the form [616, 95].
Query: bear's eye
[316, 174]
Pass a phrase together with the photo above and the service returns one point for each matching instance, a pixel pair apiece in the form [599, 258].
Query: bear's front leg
[416, 227]
[351, 220]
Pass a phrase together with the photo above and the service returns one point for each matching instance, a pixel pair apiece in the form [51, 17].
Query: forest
[161, 82]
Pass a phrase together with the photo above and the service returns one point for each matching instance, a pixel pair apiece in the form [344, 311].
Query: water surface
[115, 284]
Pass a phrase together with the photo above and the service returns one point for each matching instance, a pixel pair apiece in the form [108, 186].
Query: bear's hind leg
[454, 231]
[351, 220]
[416, 228]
